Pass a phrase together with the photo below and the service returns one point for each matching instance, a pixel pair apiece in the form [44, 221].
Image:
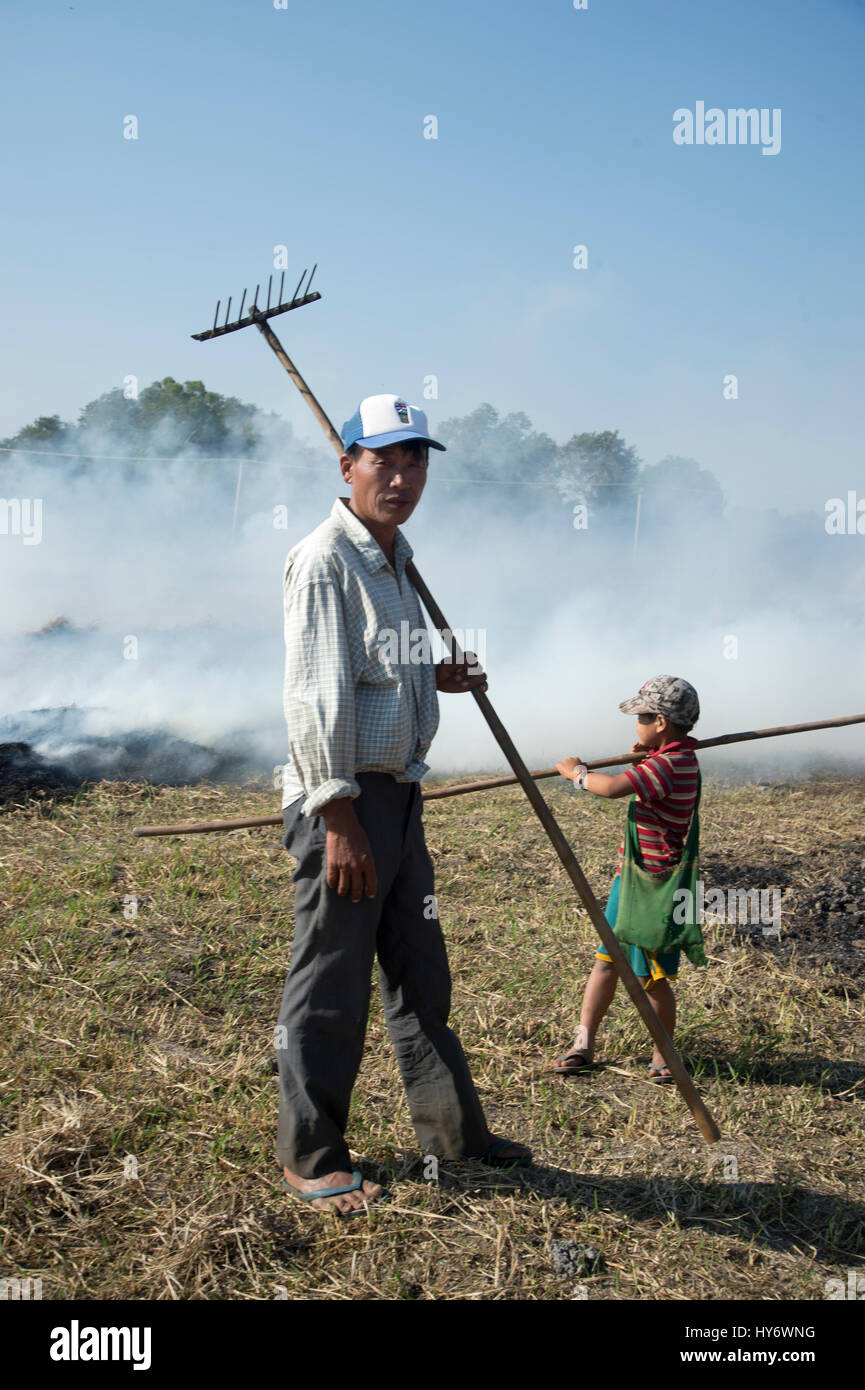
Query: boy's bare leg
[663, 1001]
[597, 998]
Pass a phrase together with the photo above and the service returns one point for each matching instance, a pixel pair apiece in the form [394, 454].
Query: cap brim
[635, 706]
[379, 441]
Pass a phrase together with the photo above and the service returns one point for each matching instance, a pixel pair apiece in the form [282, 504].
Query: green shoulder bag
[657, 911]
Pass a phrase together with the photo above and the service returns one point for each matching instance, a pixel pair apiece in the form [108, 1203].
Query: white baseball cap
[381, 420]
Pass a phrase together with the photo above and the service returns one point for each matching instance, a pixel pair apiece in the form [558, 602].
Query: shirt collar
[676, 743]
[365, 543]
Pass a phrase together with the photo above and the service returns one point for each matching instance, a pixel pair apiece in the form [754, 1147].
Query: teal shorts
[664, 966]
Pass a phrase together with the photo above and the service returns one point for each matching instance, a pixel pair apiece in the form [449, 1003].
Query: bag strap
[693, 839]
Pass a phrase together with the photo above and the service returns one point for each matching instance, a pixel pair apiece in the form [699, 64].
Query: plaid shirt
[349, 705]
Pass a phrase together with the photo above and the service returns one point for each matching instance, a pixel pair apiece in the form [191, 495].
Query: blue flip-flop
[656, 1074]
[355, 1186]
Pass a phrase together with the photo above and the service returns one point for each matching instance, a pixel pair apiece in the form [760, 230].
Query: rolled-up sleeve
[319, 693]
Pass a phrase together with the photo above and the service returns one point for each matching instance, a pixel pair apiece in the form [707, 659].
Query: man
[360, 719]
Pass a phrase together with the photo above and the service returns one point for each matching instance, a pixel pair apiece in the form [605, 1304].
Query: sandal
[662, 1076]
[572, 1063]
[356, 1185]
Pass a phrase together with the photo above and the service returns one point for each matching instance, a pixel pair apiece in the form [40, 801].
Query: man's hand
[453, 677]
[350, 864]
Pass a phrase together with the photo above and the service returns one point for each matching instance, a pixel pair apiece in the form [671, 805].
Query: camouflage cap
[668, 695]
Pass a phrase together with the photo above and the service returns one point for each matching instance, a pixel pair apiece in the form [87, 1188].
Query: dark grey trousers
[325, 1004]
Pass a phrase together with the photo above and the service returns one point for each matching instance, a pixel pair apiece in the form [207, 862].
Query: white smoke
[174, 613]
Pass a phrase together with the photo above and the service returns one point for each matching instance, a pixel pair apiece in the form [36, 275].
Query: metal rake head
[254, 314]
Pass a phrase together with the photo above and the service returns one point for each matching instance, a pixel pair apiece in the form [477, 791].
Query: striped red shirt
[665, 783]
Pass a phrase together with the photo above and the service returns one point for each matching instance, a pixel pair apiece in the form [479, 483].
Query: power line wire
[313, 468]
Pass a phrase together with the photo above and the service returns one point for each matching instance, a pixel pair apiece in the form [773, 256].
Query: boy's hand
[569, 766]
[642, 749]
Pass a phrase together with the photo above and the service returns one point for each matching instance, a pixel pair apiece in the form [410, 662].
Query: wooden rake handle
[707, 1125]
[693, 1100]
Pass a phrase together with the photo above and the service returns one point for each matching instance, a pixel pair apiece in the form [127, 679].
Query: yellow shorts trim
[657, 974]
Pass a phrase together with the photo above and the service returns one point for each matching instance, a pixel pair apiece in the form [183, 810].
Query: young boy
[665, 784]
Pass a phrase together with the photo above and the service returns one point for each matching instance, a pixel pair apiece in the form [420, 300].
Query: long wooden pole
[704, 1120]
[463, 788]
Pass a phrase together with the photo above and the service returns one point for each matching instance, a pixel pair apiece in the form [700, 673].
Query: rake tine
[250, 311]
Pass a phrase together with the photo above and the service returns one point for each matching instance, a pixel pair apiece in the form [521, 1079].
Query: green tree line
[170, 418]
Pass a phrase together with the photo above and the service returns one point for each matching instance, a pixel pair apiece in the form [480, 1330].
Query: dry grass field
[139, 1089]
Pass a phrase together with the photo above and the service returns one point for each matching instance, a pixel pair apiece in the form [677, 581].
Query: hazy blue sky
[304, 127]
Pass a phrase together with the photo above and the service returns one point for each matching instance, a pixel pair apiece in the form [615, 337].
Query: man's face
[386, 483]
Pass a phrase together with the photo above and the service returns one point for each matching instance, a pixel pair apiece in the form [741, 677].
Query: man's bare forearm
[339, 813]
